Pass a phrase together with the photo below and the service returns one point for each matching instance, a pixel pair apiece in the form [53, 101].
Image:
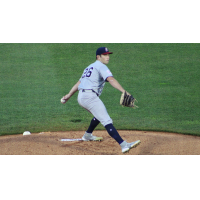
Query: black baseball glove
[128, 100]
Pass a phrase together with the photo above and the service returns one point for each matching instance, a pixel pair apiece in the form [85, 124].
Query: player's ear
[97, 57]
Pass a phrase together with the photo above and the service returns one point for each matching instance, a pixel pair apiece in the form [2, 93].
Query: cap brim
[107, 53]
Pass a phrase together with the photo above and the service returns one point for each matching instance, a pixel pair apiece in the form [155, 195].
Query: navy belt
[85, 90]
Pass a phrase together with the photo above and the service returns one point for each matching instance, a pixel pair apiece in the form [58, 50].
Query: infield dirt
[48, 143]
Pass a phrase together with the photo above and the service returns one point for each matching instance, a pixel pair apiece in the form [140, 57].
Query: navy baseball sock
[94, 123]
[113, 133]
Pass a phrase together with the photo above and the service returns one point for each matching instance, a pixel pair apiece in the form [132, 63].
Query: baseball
[26, 133]
[62, 100]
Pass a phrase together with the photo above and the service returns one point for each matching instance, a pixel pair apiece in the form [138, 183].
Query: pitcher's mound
[48, 143]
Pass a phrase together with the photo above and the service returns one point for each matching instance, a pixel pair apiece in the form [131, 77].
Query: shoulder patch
[109, 72]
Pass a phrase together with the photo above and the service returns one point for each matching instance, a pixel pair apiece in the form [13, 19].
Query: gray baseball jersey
[94, 77]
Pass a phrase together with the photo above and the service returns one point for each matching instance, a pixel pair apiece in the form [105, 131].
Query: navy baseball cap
[103, 50]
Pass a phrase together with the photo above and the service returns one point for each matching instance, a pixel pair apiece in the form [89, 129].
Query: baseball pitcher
[90, 87]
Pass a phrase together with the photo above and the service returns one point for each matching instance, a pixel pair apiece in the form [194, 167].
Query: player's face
[104, 58]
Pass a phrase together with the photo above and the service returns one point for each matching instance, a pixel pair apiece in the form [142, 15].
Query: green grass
[164, 78]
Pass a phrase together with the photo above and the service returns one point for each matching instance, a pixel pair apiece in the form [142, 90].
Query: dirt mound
[48, 143]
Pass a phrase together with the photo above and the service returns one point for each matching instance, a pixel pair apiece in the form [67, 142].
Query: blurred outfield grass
[164, 78]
